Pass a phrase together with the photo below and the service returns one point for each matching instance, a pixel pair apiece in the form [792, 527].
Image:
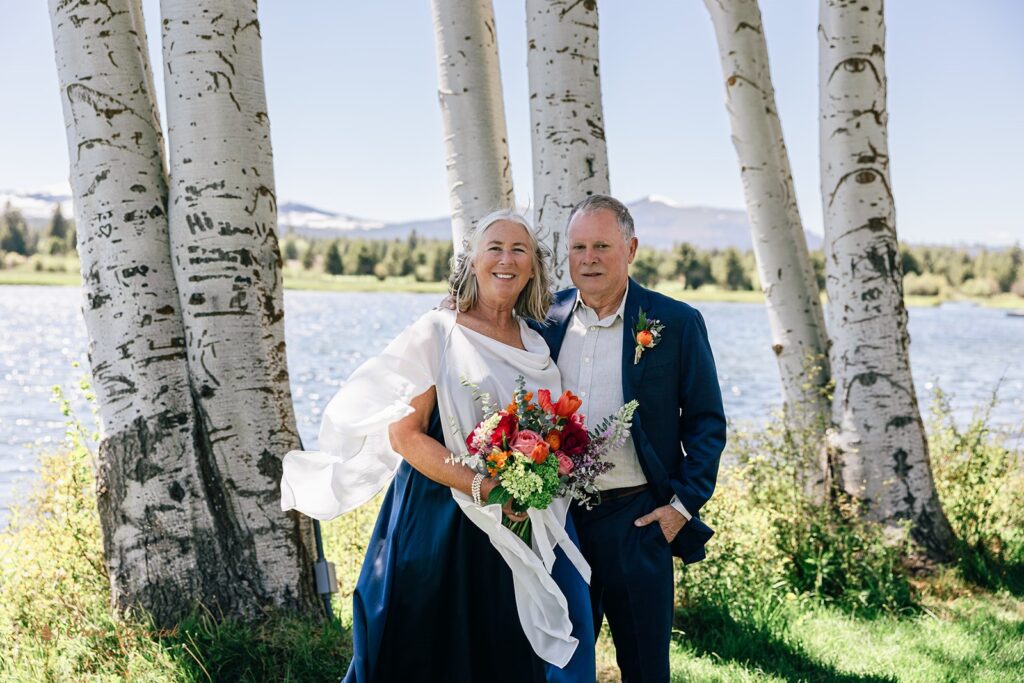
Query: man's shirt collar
[590, 315]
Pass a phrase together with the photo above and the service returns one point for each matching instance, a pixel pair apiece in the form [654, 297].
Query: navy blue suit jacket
[679, 428]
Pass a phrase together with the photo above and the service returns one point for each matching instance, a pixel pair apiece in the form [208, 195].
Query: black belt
[614, 494]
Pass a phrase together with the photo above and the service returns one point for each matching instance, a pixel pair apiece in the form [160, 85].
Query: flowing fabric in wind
[356, 460]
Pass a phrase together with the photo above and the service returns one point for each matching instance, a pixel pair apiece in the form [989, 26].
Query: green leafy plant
[980, 481]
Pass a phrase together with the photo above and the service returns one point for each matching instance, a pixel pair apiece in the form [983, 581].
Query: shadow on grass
[992, 648]
[982, 569]
[711, 630]
[277, 649]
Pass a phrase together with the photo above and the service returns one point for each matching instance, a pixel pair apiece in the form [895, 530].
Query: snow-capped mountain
[660, 222]
[295, 217]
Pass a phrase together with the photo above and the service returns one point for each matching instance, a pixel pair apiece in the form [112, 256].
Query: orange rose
[554, 440]
[644, 338]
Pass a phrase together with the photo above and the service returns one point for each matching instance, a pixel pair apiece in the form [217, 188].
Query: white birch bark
[570, 157]
[793, 301]
[881, 446]
[473, 113]
[223, 218]
[153, 514]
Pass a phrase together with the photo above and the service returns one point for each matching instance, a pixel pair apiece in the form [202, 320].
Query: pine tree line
[16, 237]
[930, 270]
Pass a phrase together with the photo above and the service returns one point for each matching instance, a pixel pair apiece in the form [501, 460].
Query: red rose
[506, 429]
[574, 438]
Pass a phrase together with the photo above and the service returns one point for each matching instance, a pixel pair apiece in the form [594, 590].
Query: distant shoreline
[368, 283]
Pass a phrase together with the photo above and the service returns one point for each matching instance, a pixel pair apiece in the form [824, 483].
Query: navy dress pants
[631, 583]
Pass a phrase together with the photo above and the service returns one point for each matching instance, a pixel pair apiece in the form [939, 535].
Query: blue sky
[356, 126]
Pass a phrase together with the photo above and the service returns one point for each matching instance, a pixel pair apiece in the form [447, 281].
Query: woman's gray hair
[535, 299]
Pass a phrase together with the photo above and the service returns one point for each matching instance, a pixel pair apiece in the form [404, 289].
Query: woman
[447, 593]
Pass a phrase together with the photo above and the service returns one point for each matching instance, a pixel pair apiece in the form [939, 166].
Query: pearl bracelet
[475, 488]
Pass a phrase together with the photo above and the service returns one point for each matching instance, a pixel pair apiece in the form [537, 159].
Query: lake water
[967, 350]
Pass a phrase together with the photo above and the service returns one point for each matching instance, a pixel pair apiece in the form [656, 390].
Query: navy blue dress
[435, 600]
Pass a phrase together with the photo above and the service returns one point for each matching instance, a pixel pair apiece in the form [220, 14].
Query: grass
[20, 276]
[57, 627]
[321, 282]
[714, 293]
[973, 637]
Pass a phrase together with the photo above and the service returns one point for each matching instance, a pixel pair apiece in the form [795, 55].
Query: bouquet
[539, 450]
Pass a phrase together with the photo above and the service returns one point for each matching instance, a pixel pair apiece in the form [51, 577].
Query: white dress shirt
[590, 361]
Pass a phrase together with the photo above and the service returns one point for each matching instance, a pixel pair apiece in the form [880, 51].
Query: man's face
[599, 257]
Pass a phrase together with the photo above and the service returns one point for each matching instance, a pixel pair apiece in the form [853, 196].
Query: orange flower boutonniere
[647, 335]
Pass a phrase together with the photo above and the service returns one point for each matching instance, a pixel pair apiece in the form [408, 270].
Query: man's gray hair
[602, 202]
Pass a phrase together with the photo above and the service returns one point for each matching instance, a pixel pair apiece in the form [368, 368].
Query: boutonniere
[647, 334]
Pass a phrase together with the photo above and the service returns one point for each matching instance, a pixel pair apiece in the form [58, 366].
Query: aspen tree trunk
[158, 532]
[787, 277]
[881, 446]
[473, 112]
[223, 219]
[570, 157]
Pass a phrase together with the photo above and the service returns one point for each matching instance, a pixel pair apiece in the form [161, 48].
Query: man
[614, 341]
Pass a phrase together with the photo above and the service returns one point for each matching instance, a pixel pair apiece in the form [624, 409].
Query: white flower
[482, 433]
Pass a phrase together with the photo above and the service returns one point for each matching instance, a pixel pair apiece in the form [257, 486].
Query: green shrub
[55, 618]
[777, 544]
[980, 286]
[980, 482]
[927, 284]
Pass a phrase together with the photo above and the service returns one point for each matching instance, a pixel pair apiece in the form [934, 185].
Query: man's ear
[633, 244]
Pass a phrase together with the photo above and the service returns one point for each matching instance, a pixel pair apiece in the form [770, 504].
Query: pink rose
[525, 441]
[564, 464]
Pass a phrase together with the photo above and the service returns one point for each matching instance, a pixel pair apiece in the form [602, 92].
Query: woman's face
[503, 264]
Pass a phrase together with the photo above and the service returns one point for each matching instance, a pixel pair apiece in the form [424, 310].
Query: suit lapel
[636, 299]
[632, 374]
[559, 317]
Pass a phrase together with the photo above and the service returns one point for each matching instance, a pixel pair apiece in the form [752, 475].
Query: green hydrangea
[530, 484]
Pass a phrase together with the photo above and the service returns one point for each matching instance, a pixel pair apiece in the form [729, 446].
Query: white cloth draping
[356, 460]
